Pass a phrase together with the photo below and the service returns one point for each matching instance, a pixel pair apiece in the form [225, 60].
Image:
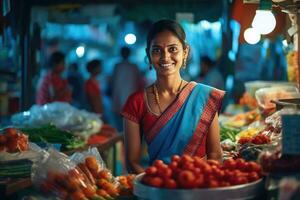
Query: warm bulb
[264, 21]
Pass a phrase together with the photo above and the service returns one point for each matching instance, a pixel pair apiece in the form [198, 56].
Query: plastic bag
[265, 95]
[56, 174]
[62, 115]
[91, 163]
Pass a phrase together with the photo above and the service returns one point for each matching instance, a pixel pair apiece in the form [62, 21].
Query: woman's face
[167, 53]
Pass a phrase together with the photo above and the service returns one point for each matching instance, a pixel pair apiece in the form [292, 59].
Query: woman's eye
[173, 49]
[155, 51]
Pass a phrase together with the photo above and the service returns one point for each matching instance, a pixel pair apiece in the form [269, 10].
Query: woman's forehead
[165, 38]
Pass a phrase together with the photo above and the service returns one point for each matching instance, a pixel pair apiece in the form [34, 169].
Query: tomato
[188, 166]
[253, 166]
[224, 184]
[175, 158]
[186, 179]
[214, 163]
[207, 170]
[199, 182]
[158, 163]
[152, 170]
[145, 179]
[213, 183]
[164, 172]
[252, 176]
[102, 193]
[155, 181]
[89, 190]
[173, 165]
[186, 159]
[3, 139]
[92, 163]
[170, 183]
[229, 164]
[105, 174]
[77, 195]
[11, 133]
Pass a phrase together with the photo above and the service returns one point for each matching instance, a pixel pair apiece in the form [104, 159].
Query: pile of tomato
[13, 140]
[258, 139]
[193, 172]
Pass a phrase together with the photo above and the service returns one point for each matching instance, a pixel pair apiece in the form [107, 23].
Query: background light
[130, 38]
[264, 21]
[80, 51]
[251, 36]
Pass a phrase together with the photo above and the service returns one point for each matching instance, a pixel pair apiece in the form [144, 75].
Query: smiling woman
[174, 116]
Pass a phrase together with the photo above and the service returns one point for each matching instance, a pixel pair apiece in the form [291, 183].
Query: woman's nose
[165, 55]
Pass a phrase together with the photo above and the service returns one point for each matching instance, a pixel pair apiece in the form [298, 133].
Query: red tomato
[224, 184]
[164, 172]
[155, 181]
[229, 164]
[186, 159]
[253, 166]
[199, 182]
[213, 183]
[175, 158]
[170, 183]
[173, 165]
[253, 176]
[188, 166]
[11, 132]
[3, 139]
[186, 179]
[214, 163]
[158, 163]
[199, 162]
[152, 170]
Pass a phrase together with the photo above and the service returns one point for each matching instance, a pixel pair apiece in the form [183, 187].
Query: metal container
[252, 190]
[287, 103]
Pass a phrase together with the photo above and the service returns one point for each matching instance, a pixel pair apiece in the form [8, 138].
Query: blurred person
[92, 88]
[126, 79]
[76, 81]
[210, 75]
[52, 87]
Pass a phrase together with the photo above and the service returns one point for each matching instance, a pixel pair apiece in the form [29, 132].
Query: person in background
[76, 81]
[172, 115]
[210, 75]
[52, 87]
[125, 80]
[92, 87]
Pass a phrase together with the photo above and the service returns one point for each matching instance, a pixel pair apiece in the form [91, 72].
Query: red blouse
[92, 88]
[137, 110]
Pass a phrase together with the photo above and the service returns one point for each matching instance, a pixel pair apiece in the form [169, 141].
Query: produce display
[83, 176]
[51, 134]
[188, 172]
[13, 140]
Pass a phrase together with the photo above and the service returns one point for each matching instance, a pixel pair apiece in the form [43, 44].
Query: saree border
[213, 105]
[170, 112]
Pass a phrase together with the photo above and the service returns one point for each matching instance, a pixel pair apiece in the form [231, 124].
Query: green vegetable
[228, 133]
[51, 134]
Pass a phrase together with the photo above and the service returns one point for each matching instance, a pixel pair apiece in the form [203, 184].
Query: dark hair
[56, 58]
[125, 52]
[93, 64]
[207, 60]
[166, 25]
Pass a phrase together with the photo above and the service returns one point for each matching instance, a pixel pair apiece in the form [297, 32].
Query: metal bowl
[246, 191]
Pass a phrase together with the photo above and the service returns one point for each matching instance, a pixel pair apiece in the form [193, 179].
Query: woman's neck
[170, 85]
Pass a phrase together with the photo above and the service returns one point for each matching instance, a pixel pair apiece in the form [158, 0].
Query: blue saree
[183, 127]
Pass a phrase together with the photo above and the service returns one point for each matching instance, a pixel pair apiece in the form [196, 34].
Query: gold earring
[184, 64]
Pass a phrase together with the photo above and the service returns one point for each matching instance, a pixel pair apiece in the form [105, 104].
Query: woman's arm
[213, 145]
[132, 146]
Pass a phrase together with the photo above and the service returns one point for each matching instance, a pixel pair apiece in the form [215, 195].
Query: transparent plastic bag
[91, 163]
[62, 115]
[56, 174]
[265, 95]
